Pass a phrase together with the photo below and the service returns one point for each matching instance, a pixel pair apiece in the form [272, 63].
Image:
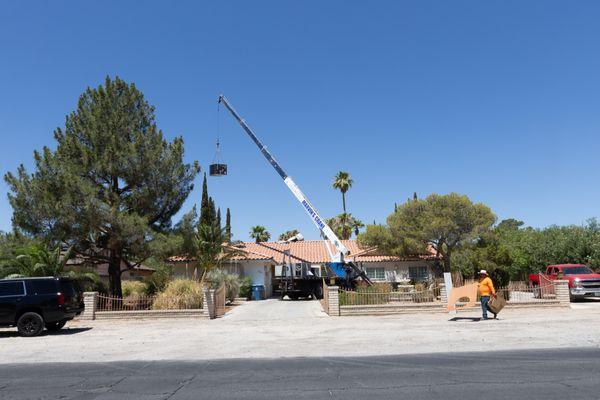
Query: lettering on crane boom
[313, 214]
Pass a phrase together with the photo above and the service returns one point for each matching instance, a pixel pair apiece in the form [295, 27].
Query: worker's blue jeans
[484, 305]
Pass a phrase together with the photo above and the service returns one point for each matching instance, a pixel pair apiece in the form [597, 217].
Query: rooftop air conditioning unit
[296, 238]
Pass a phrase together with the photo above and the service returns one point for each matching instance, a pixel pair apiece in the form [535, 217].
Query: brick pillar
[561, 288]
[208, 302]
[334, 300]
[90, 300]
[443, 295]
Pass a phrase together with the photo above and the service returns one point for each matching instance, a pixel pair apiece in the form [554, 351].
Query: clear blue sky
[499, 100]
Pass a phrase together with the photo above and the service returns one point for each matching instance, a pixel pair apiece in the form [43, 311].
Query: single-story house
[263, 262]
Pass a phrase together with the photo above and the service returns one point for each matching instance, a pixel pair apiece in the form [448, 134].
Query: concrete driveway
[276, 310]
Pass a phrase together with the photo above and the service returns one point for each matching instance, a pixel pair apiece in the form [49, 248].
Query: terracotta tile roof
[311, 251]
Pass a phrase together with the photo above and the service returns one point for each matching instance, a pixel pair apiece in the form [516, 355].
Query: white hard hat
[483, 272]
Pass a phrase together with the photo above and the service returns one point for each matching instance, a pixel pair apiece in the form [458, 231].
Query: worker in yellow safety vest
[486, 289]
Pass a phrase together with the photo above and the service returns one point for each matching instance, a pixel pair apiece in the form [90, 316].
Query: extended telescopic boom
[342, 250]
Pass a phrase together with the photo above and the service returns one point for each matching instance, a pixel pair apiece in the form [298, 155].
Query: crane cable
[217, 159]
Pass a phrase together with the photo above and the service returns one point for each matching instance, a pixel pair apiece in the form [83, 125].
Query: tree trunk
[446, 261]
[344, 202]
[114, 275]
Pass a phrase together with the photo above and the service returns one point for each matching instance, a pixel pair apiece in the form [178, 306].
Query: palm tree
[342, 182]
[212, 250]
[259, 233]
[38, 260]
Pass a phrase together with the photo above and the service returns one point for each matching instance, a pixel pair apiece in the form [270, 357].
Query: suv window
[44, 287]
[68, 288]
[13, 288]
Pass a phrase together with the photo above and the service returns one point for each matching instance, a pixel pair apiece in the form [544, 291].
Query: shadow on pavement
[468, 319]
[62, 332]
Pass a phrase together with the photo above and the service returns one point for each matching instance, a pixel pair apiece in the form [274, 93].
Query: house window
[376, 273]
[418, 273]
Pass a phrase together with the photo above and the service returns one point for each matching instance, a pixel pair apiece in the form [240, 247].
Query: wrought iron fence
[523, 293]
[143, 303]
[361, 298]
[130, 303]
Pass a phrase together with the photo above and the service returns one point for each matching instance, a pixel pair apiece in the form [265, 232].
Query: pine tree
[228, 226]
[112, 184]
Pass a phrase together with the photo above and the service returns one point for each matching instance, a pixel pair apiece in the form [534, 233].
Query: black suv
[32, 303]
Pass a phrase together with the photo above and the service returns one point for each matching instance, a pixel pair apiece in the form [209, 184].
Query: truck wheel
[55, 326]
[30, 324]
[318, 294]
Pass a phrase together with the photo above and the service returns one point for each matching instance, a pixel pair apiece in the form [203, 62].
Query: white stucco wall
[260, 272]
[396, 271]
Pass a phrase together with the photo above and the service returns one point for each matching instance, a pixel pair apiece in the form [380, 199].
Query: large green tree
[443, 222]
[110, 186]
[523, 250]
[185, 229]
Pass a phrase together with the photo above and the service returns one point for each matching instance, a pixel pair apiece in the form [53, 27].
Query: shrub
[245, 287]
[219, 277]
[133, 288]
[179, 294]
[158, 281]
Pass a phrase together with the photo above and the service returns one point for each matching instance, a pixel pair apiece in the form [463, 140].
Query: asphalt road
[531, 374]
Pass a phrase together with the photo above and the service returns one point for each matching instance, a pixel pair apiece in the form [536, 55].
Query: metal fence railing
[525, 293]
[516, 292]
[130, 303]
[362, 298]
[144, 303]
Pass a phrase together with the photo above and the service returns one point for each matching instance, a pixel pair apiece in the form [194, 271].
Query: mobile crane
[343, 272]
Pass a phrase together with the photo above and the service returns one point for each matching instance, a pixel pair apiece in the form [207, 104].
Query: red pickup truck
[583, 282]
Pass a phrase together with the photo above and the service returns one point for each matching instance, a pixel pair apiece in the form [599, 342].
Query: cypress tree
[218, 221]
[228, 226]
[212, 212]
[205, 204]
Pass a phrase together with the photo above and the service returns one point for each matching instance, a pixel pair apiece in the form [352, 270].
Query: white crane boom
[319, 222]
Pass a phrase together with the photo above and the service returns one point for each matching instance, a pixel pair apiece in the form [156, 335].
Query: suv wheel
[55, 326]
[30, 324]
